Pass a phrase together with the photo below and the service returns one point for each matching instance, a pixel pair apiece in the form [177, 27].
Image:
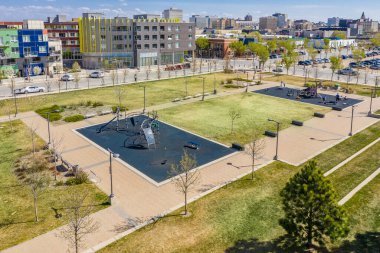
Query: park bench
[188, 97]
[70, 167]
[297, 123]
[90, 115]
[198, 95]
[270, 134]
[335, 108]
[319, 115]
[237, 146]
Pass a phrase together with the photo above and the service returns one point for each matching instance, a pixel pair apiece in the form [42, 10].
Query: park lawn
[377, 112]
[243, 216]
[157, 92]
[16, 209]
[210, 118]
[363, 90]
[340, 152]
[353, 173]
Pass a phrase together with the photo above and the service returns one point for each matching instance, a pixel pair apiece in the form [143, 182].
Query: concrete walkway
[139, 200]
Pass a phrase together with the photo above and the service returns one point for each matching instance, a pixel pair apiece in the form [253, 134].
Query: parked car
[273, 56]
[29, 89]
[97, 74]
[344, 57]
[347, 71]
[278, 70]
[67, 77]
[375, 67]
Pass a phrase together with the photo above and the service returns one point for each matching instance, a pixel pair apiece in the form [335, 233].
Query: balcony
[55, 52]
[30, 54]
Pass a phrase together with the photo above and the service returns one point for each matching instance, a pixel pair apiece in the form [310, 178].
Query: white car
[97, 74]
[67, 77]
[29, 89]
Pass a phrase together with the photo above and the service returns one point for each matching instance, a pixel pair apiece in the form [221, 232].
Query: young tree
[55, 151]
[312, 213]
[119, 93]
[335, 64]
[80, 223]
[263, 54]
[272, 45]
[185, 177]
[77, 78]
[202, 44]
[256, 144]
[32, 130]
[375, 41]
[234, 113]
[76, 67]
[326, 46]
[113, 76]
[288, 62]
[36, 178]
[147, 72]
[125, 74]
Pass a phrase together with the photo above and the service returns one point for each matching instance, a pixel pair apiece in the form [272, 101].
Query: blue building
[33, 46]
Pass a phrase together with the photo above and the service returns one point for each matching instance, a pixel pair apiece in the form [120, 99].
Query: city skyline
[19, 9]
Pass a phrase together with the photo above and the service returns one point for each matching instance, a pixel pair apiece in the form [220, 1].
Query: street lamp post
[352, 119]
[373, 91]
[114, 155]
[48, 121]
[278, 132]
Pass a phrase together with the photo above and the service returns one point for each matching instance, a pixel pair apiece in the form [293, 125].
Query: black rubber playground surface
[155, 162]
[291, 94]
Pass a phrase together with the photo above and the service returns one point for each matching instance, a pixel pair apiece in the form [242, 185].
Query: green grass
[211, 119]
[157, 92]
[377, 112]
[363, 90]
[243, 216]
[16, 209]
[332, 157]
[353, 173]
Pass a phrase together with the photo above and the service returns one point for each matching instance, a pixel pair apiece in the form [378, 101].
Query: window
[162, 28]
[190, 44]
[154, 28]
[190, 36]
[176, 45]
[102, 37]
[146, 46]
[138, 37]
[169, 28]
[72, 42]
[15, 50]
[177, 36]
[40, 38]
[138, 28]
[162, 37]
[42, 49]
[154, 46]
[177, 28]
[27, 51]
[72, 34]
[14, 38]
[162, 45]
[26, 38]
[146, 28]
[146, 37]
[138, 46]
[1, 41]
[190, 28]
[170, 37]
[169, 46]
[154, 37]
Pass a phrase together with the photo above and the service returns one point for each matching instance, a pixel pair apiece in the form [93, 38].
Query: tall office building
[333, 22]
[282, 19]
[200, 22]
[134, 43]
[268, 23]
[173, 13]
[248, 17]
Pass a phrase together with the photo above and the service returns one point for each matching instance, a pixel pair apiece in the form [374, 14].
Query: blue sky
[308, 9]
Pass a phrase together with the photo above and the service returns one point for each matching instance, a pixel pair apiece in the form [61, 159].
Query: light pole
[373, 91]
[114, 155]
[352, 119]
[203, 87]
[278, 132]
[48, 121]
[144, 98]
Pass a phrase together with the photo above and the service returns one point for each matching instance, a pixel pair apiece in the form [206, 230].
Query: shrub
[229, 81]
[54, 111]
[232, 86]
[122, 109]
[74, 118]
[88, 103]
[80, 178]
[97, 104]
[60, 183]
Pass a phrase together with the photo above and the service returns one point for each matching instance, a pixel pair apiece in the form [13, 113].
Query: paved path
[138, 199]
[359, 187]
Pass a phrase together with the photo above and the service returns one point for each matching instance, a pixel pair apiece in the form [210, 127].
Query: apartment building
[68, 32]
[9, 51]
[173, 13]
[127, 42]
[268, 23]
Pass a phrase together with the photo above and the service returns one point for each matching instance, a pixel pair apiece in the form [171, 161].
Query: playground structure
[310, 92]
[141, 131]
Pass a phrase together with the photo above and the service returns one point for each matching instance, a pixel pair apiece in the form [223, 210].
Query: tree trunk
[310, 230]
[35, 208]
[76, 242]
[185, 202]
[253, 164]
[332, 75]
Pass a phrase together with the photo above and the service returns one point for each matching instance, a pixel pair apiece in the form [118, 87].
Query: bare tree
[8, 110]
[147, 72]
[119, 93]
[48, 85]
[158, 72]
[59, 84]
[113, 76]
[234, 113]
[194, 66]
[185, 177]
[125, 74]
[80, 223]
[35, 176]
[12, 87]
[77, 78]
[256, 145]
[56, 149]
[32, 131]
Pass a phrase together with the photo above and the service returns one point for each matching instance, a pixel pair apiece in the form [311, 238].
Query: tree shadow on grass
[368, 242]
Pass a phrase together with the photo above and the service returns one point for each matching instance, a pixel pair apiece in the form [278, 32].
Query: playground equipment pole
[112, 154]
[278, 132]
[352, 119]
